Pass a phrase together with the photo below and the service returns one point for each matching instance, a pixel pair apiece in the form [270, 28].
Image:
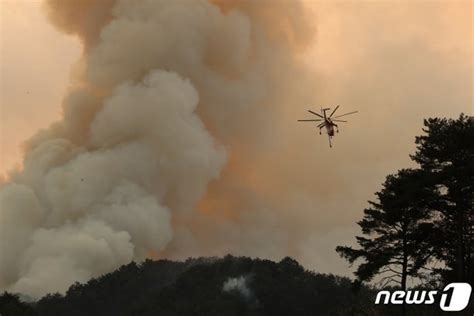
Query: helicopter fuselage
[328, 123]
[330, 128]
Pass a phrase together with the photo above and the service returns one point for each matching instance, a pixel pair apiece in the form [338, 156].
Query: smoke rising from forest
[176, 139]
[121, 176]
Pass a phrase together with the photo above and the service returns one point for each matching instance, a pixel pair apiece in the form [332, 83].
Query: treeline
[204, 286]
[212, 286]
[421, 225]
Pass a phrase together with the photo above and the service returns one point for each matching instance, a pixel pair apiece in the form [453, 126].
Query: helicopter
[327, 121]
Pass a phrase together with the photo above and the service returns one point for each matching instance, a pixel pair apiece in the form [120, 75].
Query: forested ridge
[211, 286]
[203, 286]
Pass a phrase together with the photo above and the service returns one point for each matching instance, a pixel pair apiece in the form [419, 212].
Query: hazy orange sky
[36, 59]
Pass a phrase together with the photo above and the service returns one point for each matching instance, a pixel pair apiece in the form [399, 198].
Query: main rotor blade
[330, 115]
[315, 114]
[346, 114]
[315, 120]
[338, 121]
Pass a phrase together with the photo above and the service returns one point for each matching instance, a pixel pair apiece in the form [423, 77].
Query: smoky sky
[178, 136]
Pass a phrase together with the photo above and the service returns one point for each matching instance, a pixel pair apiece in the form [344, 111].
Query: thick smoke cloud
[76, 212]
[134, 154]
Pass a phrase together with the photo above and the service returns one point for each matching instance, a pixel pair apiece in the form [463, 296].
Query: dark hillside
[213, 286]
[204, 286]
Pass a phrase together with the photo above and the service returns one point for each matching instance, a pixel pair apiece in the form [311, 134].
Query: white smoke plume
[122, 176]
[86, 211]
[238, 284]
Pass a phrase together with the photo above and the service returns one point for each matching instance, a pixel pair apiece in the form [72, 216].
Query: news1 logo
[454, 297]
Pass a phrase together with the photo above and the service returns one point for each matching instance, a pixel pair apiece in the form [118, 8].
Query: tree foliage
[195, 287]
[396, 227]
[446, 155]
[425, 214]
